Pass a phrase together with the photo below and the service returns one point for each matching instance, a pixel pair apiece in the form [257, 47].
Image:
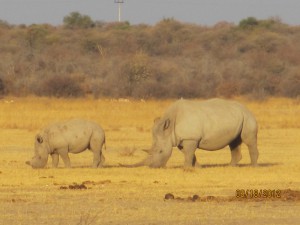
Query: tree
[250, 22]
[75, 19]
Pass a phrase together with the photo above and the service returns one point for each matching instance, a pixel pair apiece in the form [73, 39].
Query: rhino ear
[167, 124]
[39, 139]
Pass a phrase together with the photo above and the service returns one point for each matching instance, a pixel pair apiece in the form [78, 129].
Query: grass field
[116, 195]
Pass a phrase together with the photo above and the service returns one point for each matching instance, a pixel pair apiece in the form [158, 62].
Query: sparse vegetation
[256, 58]
[76, 20]
[248, 23]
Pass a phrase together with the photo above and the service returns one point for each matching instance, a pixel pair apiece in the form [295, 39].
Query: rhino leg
[253, 152]
[55, 160]
[188, 149]
[96, 148]
[98, 160]
[250, 139]
[235, 149]
[236, 155]
[65, 157]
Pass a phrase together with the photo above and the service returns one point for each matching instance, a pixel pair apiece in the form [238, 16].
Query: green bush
[76, 20]
[248, 23]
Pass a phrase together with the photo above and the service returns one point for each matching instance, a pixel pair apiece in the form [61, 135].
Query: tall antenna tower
[120, 2]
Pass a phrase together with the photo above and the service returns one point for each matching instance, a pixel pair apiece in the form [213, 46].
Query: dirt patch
[194, 198]
[74, 186]
[17, 200]
[169, 196]
[46, 177]
[101, 182]
[289, 194]
[284, 195]
[84, 185]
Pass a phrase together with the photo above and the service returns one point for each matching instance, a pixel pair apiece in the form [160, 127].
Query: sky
[203, 12]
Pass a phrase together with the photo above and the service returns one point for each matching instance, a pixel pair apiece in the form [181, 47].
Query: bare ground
[116, 195]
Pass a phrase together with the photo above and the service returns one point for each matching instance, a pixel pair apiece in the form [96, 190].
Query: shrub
[4, 24]
[76, 20]
[2, 87]
[290, 86]
[36, 35]
[228, 89]
[248, 23]
[60, 86]
[137, 69]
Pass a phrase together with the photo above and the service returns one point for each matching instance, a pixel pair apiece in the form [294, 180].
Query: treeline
[171, 59]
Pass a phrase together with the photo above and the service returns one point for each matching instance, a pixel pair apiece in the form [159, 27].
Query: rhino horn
[145, 162]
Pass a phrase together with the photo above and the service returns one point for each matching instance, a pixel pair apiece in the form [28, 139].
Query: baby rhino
[73, 136]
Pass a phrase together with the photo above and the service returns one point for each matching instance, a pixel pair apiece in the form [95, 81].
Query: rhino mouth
[37, 163]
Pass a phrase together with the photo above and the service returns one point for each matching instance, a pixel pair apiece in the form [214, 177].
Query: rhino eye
[161, 151]
[39, 139]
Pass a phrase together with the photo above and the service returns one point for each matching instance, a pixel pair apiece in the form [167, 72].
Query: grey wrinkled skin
[208, 125]
[73, 136]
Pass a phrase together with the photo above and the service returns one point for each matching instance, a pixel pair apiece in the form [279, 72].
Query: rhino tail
[104, 144]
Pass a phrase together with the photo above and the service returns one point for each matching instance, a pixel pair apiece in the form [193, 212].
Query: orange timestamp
[258, 193]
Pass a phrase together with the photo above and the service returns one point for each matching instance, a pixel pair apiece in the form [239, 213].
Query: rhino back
[74, 135]
[214, 122]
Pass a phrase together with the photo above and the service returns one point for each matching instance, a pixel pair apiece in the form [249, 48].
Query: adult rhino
[208, 125]
[73, 136]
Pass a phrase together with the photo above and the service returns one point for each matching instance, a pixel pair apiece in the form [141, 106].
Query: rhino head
[162, 145]
[40, 158]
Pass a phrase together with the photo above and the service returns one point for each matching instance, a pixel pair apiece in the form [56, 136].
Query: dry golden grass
[118, 195]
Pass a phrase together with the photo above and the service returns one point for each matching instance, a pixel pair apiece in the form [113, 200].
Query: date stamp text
[258, 193]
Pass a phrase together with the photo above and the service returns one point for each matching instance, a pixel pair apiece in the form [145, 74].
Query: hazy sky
[205, 12]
